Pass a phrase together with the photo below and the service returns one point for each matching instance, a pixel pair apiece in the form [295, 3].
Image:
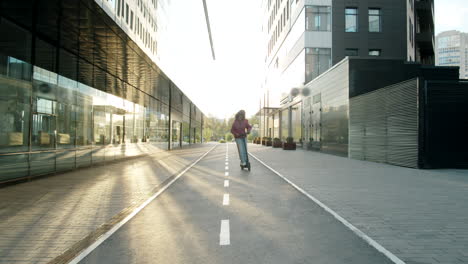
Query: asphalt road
[264, 220]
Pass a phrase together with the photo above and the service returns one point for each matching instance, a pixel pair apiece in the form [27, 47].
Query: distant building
[452, 50]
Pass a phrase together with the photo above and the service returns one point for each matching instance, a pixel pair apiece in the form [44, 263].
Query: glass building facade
[75, 91]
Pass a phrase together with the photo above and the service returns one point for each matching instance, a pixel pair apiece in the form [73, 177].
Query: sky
[451, 15]
[233, 80]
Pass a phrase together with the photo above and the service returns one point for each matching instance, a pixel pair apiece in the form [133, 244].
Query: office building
[80, 84]
[452, 50]
[305, 38]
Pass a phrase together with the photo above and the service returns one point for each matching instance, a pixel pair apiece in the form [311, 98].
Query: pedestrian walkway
[419, 215]
[42, 219]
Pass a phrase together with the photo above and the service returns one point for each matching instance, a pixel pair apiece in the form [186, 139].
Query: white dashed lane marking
[226, 199]
[224, 236]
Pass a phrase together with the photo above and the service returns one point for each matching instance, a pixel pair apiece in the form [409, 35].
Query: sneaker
[243, 164]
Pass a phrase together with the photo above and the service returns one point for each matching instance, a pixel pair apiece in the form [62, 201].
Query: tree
[216, 129]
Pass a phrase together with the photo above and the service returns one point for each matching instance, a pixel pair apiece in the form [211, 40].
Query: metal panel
[384, 125]
[446, 124]
[328, 118]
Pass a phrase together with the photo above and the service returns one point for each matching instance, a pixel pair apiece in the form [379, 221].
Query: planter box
[263, 142]
[289, 146]
[269, 143]
[278, 144]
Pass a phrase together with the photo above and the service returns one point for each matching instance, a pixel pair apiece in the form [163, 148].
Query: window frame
[351, 49]
[379, 16]
[356, 19]
[375, 50]
[317, 11]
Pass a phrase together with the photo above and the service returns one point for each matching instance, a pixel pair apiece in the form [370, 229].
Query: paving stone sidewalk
[419, 215]
[41, 219]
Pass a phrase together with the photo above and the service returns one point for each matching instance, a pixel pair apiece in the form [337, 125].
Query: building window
[375, 20]
[318, 60]
[318, 18]
[410, 31]
[351, 19]
[351, 52]
[126, 13]
[375, 52]
[131, 19]
[118, 8]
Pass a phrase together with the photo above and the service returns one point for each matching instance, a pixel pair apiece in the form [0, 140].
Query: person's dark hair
[240, 115]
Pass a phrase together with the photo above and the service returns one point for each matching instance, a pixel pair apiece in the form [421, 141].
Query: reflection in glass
[13, 166]
[276, 124]
[66, 114]
[84, 115]
[176, 135]
[318, 60]
[296, 112]
[318, 18]
[44, 123]
[375, 20]
[351, 14]
[77, 124]
[15, 94]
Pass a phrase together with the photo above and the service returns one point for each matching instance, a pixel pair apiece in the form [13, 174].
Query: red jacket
[239, 128]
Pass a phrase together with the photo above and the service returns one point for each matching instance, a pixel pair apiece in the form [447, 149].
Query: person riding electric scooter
[240, 128]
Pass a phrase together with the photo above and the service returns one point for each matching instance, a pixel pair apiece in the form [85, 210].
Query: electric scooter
[248, 162]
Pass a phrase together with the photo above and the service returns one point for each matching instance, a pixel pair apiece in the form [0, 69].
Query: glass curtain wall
[296, 122]
[284, 124]
[276, 125]
[64, 117]
[95, 98]
[70, 124]
[318, 18]
[318, 60]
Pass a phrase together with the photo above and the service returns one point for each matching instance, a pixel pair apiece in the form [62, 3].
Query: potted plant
[277, 143]
[268, 142]
[257, 140]
[264, 141]
[289, 144]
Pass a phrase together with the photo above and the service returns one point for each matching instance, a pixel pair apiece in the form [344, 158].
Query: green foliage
[215, 129]
[222, 141]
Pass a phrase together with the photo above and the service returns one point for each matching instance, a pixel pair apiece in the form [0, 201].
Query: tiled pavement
[419, 215]
[41, 219]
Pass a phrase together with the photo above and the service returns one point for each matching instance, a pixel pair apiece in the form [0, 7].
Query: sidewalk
[419, 215]
[41, 219]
